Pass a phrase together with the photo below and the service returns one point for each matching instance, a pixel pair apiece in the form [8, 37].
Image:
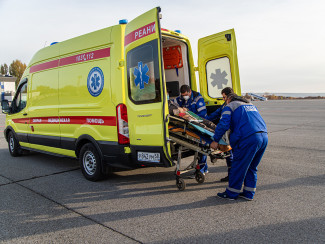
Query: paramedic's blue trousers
[229, 160]
[203, 163]
[247, 155]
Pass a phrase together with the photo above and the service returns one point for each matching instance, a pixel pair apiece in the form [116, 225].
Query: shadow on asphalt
[304, 181]
[303, 231]
[135, 185]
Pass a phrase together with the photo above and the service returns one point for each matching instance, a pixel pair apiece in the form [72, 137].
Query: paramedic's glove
[214, 145]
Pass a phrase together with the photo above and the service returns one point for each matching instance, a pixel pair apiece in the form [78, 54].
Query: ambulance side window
[218, 76]
[20, 100]
[143, 73]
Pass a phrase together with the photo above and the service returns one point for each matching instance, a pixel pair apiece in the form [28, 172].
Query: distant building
[8, 87]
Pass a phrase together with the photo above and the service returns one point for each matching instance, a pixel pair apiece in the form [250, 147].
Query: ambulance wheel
[13, 145]
[180, 183]
[90, 162]
[199, 177]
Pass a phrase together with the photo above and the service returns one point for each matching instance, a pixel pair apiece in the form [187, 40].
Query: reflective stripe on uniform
[249, 189]
[175, 101]
[197, 98]
[226, 112]
[233, 189]
[235, 104]
[202, 108]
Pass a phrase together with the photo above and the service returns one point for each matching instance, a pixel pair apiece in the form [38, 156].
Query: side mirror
[5, 106]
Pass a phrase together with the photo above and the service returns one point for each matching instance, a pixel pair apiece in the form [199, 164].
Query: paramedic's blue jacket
[216, 114]
[242, 119]
[195, 104]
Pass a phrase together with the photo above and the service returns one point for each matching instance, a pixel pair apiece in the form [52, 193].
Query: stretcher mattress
[192, 130]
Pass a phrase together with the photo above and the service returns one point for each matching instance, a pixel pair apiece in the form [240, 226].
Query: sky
[280, 43]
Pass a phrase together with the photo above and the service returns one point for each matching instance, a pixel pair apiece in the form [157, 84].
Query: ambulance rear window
[218, 76]
[143, 73]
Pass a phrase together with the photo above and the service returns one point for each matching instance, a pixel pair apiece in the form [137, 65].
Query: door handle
[25, 114]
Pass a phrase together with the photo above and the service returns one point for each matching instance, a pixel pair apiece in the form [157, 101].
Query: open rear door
[146, 91]
[218, 66]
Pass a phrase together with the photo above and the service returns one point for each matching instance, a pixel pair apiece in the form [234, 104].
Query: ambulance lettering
[84, 57]
[53, 120]
[37, 121]
[95, 121]
[65, 120]
[101, 53]
[140, 33]
[147, 30]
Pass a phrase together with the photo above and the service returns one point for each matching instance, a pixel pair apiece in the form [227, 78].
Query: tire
[180, 183]
[199, 177]
[90, 162]
[13, 145]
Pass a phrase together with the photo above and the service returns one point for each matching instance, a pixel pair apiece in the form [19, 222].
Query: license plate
[149, 157]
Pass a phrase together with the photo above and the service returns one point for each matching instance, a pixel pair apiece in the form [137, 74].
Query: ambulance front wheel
[90, 162]
[13, 144]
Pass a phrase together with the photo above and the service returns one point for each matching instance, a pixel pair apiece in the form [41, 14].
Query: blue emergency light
[123, 21]
[53, 43]
[178, 31]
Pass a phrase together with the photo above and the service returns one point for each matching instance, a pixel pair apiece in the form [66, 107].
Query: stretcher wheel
[180, 183]
[199, 177]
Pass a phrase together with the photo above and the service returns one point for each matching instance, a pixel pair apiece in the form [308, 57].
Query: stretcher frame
[183, 141]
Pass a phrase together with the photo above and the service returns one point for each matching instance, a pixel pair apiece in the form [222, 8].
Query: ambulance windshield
[143, 73]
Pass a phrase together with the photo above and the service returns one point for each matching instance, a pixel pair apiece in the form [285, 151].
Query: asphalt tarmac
[45, 199]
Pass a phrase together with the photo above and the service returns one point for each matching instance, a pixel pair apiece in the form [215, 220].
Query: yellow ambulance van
[102, 97]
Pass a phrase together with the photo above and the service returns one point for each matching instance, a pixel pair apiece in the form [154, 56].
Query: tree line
[16, 68]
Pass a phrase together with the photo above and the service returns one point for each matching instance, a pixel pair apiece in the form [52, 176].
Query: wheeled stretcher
[192, 137]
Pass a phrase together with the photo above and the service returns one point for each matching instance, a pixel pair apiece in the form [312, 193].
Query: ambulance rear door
[146, 100]
[218, 66]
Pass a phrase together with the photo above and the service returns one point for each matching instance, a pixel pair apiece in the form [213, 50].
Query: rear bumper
[115, 155]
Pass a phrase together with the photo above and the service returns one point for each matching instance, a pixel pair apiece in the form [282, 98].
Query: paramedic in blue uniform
[194, 102]
[248, 139]
[215, 117]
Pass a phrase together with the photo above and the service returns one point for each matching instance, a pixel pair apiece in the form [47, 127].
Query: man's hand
[214, 145]
[182, 110]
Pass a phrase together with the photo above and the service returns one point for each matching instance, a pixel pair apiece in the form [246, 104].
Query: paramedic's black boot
[226, 179]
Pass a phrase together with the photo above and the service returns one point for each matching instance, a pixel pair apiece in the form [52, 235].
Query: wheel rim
[11, 144]
[89, 162]
[199, 177]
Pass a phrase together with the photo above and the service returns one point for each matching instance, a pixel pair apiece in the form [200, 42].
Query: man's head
[185, 92]
[230, 97]
[225, 92]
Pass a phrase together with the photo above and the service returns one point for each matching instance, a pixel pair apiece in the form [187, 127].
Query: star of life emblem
[95, 81]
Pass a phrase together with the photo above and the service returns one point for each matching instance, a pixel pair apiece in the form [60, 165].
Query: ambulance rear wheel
[199, 177]
[13, 145]
[180, 183]
[90, 162]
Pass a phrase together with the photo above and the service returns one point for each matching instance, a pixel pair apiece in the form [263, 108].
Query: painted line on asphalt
[64, 206]
[35, 177]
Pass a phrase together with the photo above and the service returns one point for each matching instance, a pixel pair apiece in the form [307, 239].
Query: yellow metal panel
[76, 100]
[215, 47]
[43, 102]
[60, 151]
[146, 121]
[117, 91]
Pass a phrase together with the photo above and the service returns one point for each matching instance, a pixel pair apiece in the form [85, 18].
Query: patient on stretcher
[201, 128]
